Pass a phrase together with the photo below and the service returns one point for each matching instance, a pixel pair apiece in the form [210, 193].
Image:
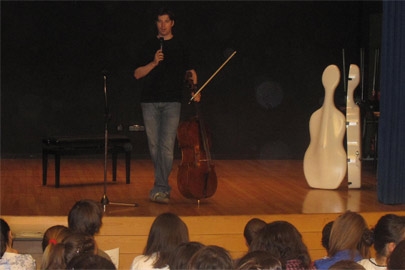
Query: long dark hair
[166, 233]
[252, 228]
[182, 254]
[284, 241]
[258, 259]
[211, 257]
[5, 229]
[397, 259]
[390, 228]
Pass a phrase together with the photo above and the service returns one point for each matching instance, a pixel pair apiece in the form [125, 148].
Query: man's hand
[197, 98]
[159, 56]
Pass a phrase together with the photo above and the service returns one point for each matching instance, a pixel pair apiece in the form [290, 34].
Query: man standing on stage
[161, 66]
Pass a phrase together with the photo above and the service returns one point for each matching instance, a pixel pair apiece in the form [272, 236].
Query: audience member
[3, 245]
[258, 259]
[283, 241]
[78, 244]
[350, 239]
[397, 258]
[53, 257]
[346, 265]
[54, 235]
[326, 234]
[166, 233]
[211, 257]
[53, 254]
[86, 217]
[388, 232]
[182, 254]
[251, 229]
[92, 261]
[58, 255]
[10, 258]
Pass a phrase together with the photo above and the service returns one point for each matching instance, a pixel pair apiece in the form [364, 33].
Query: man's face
[164, 25]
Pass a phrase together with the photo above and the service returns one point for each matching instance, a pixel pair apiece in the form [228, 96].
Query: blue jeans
[161, 121]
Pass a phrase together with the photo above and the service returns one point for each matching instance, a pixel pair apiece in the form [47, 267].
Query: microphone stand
[104, 200]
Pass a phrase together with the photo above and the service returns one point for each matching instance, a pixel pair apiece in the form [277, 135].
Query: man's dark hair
[165, 11]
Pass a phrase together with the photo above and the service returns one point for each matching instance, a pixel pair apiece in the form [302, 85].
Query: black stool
[70, 145]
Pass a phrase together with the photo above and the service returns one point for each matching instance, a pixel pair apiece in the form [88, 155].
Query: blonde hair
[53, 257]
[53, 250]
[58, 255]
[350, 232]
[54, 235]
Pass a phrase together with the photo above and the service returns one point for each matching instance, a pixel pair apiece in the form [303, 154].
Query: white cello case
[353, 130]
[325, 161]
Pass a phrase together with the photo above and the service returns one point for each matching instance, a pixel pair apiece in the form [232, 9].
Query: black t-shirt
[166, 81]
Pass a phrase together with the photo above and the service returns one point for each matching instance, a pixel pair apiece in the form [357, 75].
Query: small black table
[80, 145]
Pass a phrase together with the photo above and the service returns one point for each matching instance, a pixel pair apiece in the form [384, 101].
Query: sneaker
[160, 197]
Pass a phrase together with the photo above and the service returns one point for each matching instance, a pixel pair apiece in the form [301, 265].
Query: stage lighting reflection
[331, 201]
[269, 94]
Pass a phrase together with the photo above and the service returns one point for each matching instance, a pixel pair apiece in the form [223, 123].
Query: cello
[196, 178]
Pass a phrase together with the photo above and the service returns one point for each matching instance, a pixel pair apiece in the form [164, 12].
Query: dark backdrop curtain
[391, 143]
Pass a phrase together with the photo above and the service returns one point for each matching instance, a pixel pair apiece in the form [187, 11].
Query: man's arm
[195, 81]
[193, 76]
[142, 71]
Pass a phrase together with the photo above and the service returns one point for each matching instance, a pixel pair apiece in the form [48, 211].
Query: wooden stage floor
[245, 187]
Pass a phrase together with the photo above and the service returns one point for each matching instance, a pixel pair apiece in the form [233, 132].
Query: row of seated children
[63, 247]
[10, 258]
[168, 247]
[274, 245]
[348, 238]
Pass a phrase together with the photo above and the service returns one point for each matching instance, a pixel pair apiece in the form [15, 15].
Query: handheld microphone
[161, 43]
